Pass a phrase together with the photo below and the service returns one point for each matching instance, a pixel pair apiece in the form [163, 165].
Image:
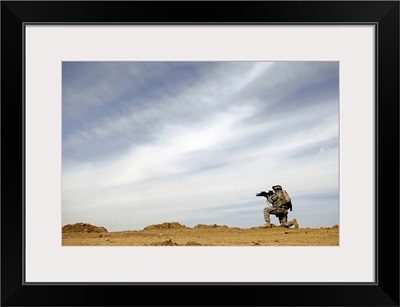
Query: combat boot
[266, 225]
[294, 223]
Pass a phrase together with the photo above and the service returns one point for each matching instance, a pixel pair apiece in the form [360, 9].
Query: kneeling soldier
[278, 208]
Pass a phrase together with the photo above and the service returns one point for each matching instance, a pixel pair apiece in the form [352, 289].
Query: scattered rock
[164, 243]
[265, 226]
[192, 243]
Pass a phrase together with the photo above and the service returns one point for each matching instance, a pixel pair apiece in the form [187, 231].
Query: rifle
[265, 194]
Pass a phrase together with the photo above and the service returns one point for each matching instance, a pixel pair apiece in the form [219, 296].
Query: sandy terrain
[175, 234]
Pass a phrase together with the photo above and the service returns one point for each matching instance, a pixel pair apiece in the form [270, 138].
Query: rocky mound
[167, 225]
[83, 227]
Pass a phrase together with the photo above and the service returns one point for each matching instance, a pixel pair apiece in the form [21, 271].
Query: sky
[145, 143]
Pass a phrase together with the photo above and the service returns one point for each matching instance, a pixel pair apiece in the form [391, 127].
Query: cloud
[200, 151]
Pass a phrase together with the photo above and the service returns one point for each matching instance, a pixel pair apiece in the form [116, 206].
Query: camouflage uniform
[277, 200]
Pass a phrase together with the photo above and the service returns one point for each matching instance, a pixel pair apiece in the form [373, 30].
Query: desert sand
[176, 234]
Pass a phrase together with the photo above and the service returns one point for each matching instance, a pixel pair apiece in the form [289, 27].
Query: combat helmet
[277, 187]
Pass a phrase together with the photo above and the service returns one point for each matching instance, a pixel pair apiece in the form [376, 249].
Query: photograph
[200, 153]
[239, 149]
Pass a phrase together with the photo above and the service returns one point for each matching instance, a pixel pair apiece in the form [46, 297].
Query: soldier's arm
[273, 198]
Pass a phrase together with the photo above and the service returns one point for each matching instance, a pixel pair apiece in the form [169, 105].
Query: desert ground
[176, 234]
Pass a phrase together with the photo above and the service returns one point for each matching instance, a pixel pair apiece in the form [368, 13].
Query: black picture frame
[383, 14]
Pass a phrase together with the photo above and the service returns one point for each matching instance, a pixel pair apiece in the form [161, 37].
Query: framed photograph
[239, 153]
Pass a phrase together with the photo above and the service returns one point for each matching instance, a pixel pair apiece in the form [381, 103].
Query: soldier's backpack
[288, 201]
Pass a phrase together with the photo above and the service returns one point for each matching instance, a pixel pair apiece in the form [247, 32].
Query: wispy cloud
[149, 142]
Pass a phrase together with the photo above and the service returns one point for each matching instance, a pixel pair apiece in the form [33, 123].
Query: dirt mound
[83, 227]
[167, 225]
[202, 226]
